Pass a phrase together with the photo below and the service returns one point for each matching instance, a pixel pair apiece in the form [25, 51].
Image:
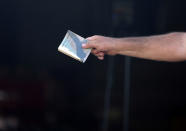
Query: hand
[101, 45]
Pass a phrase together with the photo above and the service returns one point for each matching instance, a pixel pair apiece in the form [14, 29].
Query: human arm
[167, 47]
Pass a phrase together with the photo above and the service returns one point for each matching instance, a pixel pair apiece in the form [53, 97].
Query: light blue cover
[73, 43]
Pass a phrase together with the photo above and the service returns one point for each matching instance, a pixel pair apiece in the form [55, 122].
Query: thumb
[89, 44]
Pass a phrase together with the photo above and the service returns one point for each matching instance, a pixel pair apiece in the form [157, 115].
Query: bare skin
[167, 47]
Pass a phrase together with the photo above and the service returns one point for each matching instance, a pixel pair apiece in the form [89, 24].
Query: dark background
[42, 89]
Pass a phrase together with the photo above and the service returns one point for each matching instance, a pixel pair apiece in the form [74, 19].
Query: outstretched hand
[100, 46]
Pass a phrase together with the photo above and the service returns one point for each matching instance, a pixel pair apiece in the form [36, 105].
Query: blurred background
[44, 90]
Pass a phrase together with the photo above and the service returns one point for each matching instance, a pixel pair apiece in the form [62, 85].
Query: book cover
[72, 46]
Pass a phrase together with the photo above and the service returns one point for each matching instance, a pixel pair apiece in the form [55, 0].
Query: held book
[72, 46]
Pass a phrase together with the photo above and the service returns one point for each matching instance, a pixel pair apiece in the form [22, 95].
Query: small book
[72, 46]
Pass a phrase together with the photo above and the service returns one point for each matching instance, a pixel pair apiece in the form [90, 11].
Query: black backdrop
[30, 34]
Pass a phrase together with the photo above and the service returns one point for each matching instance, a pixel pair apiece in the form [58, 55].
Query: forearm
[168, 47]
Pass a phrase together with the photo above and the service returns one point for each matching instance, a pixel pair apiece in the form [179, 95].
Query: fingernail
[83, 45]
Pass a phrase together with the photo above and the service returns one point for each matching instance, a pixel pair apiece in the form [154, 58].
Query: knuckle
[96, 36]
